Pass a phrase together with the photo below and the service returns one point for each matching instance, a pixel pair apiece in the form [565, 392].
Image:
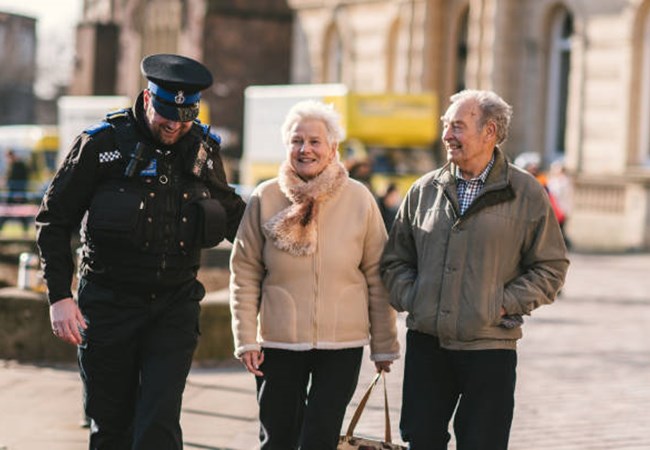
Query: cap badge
[180, 98]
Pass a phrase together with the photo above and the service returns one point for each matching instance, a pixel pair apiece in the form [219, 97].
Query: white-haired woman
[305, 290]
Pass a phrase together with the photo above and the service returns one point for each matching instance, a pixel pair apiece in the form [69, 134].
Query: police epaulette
[124, 112]
[96, 128]
[206, 130]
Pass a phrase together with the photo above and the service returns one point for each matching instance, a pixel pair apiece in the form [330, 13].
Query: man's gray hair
[312, 109]
[493, 108]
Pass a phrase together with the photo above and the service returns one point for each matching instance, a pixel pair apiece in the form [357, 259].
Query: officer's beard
[165, 131]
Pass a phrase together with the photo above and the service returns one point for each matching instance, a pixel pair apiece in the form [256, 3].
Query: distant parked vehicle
[37, 146]
[394, 133]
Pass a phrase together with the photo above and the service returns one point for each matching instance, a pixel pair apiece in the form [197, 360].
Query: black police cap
[175, 82]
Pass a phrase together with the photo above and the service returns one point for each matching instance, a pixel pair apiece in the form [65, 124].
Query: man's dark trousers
[478, 384]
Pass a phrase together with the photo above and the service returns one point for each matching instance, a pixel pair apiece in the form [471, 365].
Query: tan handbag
[351, 442]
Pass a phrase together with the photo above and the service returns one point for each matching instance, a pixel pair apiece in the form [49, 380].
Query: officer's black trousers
[134, 361]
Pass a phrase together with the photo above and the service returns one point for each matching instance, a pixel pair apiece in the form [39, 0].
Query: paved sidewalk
[583, 379]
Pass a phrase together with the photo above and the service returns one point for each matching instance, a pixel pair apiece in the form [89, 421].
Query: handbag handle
[362, 404]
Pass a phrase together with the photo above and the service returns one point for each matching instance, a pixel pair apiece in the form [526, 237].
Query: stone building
[242, 42]
[577, 73]
[18, 58]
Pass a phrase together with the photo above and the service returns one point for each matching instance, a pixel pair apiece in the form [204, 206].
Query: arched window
[461, 51]
[559, 65]
[333, 72]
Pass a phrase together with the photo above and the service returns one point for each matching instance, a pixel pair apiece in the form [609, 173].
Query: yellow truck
[394, 133]
[37, 146]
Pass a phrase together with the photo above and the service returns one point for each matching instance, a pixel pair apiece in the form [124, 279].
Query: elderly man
[474, 248]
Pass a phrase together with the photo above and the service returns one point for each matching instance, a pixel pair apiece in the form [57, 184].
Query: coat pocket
[115, 216]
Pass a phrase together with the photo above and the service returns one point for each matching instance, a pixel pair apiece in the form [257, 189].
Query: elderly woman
[305, 289]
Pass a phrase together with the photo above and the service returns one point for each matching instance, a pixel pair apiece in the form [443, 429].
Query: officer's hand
[252, 360]
[66, 319]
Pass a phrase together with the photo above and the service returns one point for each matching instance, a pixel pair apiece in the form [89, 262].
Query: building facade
[242, 42]
[18, 57]
[577, 73]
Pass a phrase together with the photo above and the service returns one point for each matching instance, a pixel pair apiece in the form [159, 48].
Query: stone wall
[26, 335]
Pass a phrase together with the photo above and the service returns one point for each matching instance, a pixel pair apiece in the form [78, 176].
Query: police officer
[148, 187]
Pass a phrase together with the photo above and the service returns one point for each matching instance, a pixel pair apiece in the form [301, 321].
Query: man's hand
[252, 360]
[66, 320]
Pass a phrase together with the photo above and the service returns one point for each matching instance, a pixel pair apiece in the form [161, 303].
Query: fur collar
[294, 228]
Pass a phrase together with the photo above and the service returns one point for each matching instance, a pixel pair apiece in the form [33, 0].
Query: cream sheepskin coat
[305, 271]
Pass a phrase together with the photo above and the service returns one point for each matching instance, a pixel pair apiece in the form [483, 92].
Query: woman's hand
[252, 360]
[383, 366]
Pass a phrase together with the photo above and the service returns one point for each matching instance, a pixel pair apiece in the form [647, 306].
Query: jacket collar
[497, 186]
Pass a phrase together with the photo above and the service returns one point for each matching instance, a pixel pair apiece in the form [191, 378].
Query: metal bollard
[29, 272]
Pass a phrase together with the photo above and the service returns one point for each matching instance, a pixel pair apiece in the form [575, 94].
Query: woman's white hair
[312, 109]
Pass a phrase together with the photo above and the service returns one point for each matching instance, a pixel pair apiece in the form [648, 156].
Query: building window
[461, 51]
[26, 47]
[558, 83]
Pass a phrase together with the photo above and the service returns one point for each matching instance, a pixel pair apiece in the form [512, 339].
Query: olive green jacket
[453, 273]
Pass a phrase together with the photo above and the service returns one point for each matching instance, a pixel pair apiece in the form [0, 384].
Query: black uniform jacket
[145, 211]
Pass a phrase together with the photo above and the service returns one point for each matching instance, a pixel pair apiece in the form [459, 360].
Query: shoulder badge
[96, 128]
[120, 113]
